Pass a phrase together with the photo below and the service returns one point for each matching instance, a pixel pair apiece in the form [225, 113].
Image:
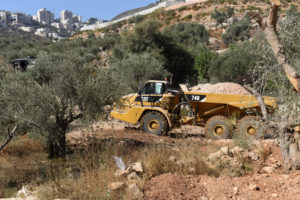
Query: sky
[101, 9]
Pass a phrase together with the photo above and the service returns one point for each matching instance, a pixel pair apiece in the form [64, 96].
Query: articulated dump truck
[158, 108]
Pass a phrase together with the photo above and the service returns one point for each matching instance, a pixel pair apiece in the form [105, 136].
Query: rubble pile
[221, 88]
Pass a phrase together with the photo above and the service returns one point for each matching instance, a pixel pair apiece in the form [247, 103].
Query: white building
[66, 14]
[20, 18]
[56, 25]
[42, 32]
[5, 16]
[35, 18]
[45, 16]
[27, 28]
[76, 18]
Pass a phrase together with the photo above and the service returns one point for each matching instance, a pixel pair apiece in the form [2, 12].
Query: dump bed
[238, 101]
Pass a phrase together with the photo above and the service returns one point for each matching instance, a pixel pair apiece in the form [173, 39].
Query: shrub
[187, 34]
[188, 17]
[234, 64]
[136, 19]
[146, 38]
[138, 68]
[202, 61]
[182, 8]
[221, 16]
[238, 31]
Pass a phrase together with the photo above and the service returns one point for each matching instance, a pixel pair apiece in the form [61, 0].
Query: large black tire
[218, 127]
[249, 126]
[154, 123]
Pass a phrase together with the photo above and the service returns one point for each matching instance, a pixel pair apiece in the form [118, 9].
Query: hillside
[198, 12]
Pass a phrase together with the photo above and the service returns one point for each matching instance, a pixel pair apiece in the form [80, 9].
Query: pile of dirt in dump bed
[221, 88]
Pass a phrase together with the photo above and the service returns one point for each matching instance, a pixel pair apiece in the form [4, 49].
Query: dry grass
[20, 163]
[87, 172]
[186, 159]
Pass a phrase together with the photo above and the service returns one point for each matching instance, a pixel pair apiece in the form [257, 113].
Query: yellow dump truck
[158, 108]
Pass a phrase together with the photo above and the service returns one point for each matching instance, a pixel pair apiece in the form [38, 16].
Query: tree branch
[277, 48]
[72, 118]
[11, 134]
[260, 101]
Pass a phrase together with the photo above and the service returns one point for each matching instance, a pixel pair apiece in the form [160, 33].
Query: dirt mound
[257, 186]
[221, 88]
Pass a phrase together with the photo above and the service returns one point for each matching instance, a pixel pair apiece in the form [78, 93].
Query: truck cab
[155, 99]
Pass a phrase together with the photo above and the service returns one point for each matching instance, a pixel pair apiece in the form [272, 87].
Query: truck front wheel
[154, 123]
[218, 127]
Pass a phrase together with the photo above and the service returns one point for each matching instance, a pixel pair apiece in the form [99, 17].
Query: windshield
[153, 88]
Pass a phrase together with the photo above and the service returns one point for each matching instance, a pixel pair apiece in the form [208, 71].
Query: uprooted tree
[288, 139]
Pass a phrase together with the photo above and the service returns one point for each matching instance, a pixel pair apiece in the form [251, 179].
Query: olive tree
[69, 89]
[14, 107]
[49, 97]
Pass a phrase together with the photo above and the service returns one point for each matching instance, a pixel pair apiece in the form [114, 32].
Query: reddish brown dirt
[253, 186]
[258, 186]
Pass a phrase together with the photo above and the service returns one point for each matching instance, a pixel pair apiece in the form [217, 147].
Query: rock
[172, 159]
[285, 176]
[180, 163]
[215, 156]
[255, 25]
[213, 40]
[133, 177]
[253, 156]
[120, 173]
[135, 192]
[274, 195]
[225, 150]
[204, 198]
[236, 151]
[135, 167]
[268, 170]
[235, 190]
[24, 192]
[253, 187]
[116, 185]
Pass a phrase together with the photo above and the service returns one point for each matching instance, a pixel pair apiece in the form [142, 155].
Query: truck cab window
[153, 88]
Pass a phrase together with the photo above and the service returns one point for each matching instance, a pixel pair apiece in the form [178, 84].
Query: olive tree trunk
[288, 140]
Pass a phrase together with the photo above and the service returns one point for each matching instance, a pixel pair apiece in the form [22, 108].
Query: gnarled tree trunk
[288, 141]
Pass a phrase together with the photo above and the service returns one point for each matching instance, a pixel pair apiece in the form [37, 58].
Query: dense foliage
[221, 15]
[238, 31]
[234, 64]
[187, 34]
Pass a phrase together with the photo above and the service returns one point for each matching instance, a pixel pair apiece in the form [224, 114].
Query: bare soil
[253, 185]
[280, 185]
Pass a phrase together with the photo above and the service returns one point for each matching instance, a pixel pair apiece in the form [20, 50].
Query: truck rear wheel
[249, 126]
[218, 127]
[154, 123]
